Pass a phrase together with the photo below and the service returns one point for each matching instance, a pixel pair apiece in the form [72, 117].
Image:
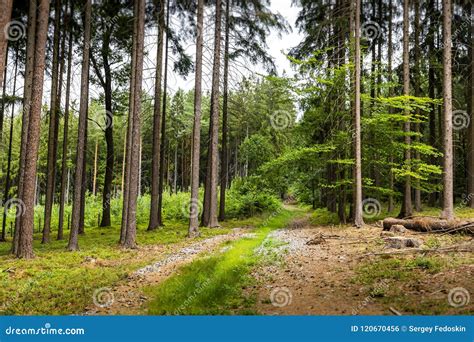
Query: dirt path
[126, 298]
[318, 267]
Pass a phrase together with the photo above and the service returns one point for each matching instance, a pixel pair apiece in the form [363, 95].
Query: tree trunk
[109, 137]
[448, 210]
[54, 111]
[431, 82]
[163, 124]
[25, 238]
[130, 230]
[194, 206]
[358, 219]
[390, 94]
[406, 209]
[29, 69]
[84, 180]
[4, 94]
[210, 201]
[64, 169]
[471, 113]
[155, 163]
[5, 17]
[94, 179]
[224, 158]
[81, 136]
[417, 76]
[9, 162]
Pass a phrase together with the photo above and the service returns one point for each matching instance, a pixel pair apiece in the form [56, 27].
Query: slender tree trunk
[224, 158]
[4, 94]
[134, 121]
[417, 76]
[128, 136]
[25, 238]
[194, 203]
[431, 81]
[53, 110]
[94, 179]
[6, 195]
[448, 207]
[5, 17]
[73, 244]
[155, 163]
[64, 169]
[358, 219]
[406, 209]
[212, 163]
[82, 210]
[27, 93]
[163, 124]
[109, 136]
[390, 94]
[470, 100]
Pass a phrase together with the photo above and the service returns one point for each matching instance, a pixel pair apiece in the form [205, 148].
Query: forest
[173, 157]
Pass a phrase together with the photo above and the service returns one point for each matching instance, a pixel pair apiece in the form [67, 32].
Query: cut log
[428, 224]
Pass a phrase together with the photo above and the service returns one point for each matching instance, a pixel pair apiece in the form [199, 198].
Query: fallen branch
[430, 225]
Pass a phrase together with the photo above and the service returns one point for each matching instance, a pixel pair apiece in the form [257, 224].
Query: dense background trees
[379, 112]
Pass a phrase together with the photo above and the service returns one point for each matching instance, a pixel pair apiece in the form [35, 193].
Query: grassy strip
[61, 282]
[213, 285]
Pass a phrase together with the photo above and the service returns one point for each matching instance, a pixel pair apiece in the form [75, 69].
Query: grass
[409, 286]
[214, 284]
[61, 282]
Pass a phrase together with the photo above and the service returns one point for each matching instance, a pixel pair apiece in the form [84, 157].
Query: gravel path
[127, 297]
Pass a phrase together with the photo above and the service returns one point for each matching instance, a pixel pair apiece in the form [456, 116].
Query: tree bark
[64, 168]
[109, 136]
[471, 111]
[27, 94]
[358, 218]
[431, 82]
[196, 144]
[6, 195]
[134, 121]
[406, 209]
[448, 210]
[417, 76]
[210, 201]
[25, 239]
[54, 111]
[163, 123]
[224, 158]
[155, 163]
[73, 244]
[5, 17]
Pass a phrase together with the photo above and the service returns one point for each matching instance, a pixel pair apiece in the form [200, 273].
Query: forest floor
[334, 270]
[283, 263]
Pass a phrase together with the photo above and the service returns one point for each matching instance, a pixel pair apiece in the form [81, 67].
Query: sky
[278, 45]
